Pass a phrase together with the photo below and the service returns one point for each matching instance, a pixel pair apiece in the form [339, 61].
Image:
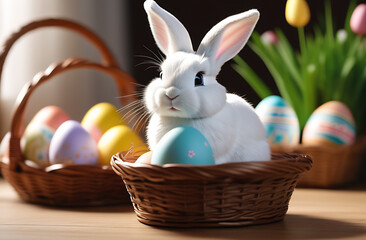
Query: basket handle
[125, 87]
[107, 56]
[15, 153]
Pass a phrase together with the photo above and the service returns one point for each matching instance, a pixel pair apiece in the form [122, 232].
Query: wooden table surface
[313, 214]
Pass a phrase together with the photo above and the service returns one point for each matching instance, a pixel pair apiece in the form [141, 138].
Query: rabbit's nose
[172, 93]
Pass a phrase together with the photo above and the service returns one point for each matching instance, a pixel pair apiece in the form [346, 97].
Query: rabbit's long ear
[228, 37]
[169, 33]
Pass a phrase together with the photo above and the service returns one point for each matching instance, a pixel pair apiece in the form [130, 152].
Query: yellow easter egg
[118, 139]
[100, 118]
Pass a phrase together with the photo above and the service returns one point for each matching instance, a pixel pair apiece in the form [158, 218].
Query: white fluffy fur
[229, 123]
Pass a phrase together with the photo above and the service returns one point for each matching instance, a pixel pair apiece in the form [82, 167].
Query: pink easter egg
[51, 116]
[93, 130]
[358, 20]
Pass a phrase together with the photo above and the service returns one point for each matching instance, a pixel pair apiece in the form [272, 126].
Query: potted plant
[329, 65]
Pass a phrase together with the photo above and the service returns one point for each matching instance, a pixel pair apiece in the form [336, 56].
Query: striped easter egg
[279, 120]
[332, 123]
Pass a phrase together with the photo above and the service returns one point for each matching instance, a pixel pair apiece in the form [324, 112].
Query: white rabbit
[187, 92]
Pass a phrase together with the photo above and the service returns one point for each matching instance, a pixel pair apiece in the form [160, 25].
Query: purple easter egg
[72, 144]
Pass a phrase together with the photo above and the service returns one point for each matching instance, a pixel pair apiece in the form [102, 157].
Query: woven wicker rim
[301, 148]
[281, 164]
[334, 166]
[230, 194]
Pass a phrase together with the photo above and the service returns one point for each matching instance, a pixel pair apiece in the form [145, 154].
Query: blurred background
[123, 25]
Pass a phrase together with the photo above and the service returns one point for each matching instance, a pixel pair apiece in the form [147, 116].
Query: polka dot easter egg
[331, 124]
[72, 144]
[36, 142]
[39, 132]
[183, 145]
[280, 121]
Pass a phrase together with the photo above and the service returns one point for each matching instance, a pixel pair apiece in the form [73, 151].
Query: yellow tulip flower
[297, 13]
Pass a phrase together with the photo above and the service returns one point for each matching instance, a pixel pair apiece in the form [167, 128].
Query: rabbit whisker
[150, 67]
[130, 105]
[142, 124]
[153, 63]
[137, 123]
[147, 119]
[133, 113]
[130, 95]
[139, 84]
[159, 58]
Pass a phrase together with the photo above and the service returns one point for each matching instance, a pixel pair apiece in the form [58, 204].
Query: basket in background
[231, 194]
[333, 166]
[63, 185]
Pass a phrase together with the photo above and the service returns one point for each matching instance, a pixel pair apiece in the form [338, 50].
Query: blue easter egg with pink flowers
[183, 145]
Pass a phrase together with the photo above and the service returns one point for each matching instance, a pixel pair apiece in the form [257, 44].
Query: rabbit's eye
[198, 80]
[161, 75]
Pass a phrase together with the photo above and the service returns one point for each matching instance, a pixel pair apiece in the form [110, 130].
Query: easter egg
[72, 144]
[119, 138]
[279, 120]
[37, 136]
[183, 145]
[145, 158]
[4, 146]
[35, 143]
[332, 123]
[51, 116]
[100, 118]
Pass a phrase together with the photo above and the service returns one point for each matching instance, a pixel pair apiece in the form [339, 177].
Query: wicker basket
[332, 166]
[62, 185]
[232, 194]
